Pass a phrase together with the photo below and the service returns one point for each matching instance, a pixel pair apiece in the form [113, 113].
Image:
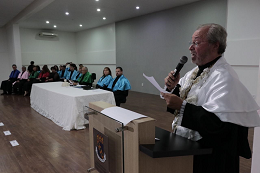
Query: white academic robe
[224, 95]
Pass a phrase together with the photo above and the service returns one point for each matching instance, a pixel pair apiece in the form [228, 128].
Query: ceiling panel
[85, 12]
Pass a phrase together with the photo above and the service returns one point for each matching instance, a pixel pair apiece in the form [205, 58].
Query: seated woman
[43, 74]
[21, 80]
[85, 79]
[28, 85]
[54, 76]
[104, 81]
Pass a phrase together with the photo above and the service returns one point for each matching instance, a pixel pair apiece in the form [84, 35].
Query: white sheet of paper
[153, 81]
[1, 124]
[7, 133]
[123, 115]
[14, 143]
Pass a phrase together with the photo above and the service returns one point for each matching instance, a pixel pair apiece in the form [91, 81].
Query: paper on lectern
[122, 115]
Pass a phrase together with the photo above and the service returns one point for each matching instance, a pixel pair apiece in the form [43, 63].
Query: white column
[14, 45]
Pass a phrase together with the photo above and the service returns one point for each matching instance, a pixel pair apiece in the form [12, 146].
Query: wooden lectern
[136, 150]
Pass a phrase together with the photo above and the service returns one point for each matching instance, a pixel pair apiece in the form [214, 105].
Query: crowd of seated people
[21, 82]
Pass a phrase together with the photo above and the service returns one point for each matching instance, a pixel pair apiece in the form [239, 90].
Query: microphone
[177, 70]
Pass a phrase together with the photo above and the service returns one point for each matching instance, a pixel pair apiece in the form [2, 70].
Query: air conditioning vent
[48, 34]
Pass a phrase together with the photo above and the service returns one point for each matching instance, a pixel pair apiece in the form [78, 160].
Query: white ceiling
[10, 8]
[85, 12]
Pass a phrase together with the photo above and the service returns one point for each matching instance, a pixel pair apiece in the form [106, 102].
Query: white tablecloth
[65, 105]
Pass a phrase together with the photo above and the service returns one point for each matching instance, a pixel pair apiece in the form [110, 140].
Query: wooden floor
[45, 148]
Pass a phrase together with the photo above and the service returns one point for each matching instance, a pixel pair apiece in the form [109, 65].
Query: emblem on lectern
[101, 156]
[100, 149]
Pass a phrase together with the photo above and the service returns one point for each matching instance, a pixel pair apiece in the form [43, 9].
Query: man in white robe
[210, 104]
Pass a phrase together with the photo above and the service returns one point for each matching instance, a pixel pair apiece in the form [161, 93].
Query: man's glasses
[195, 43]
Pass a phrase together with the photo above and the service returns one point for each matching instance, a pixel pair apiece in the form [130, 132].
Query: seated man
[54, 76]
[120, 86]
[6, 85]
[72, 74]
[79, 74]
[63, 72]
[22, 78]
[85, 78]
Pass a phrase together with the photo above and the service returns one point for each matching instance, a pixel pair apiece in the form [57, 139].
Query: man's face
[84, 70]
[53, 70]
[201, 50]
[23, 69]
[14, 67]
[118, 72]
[71, 68]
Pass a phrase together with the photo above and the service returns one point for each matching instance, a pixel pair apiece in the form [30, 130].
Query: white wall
[243, 43]
[243, 29]
[96, 49]
[47, 50]
[5, 65]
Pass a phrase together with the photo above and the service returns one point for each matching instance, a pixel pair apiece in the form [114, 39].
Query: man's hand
[172, 101]
[171, 81]
[74, 83]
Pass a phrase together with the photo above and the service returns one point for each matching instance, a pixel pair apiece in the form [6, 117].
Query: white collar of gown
[224, 95]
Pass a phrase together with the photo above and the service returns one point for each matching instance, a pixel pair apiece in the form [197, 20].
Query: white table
[65, 105]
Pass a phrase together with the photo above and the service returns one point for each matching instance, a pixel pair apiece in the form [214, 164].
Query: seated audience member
[54, 76]
[120, 86]
[81, 65]
[38, 68]
[43, 74]
[6, 85]
[22, 78]
[63, 72]
[79, 73]
[30, 67]
[56, 67]
[28, 85]
[104, 81]
[85, 78]
[72, 74]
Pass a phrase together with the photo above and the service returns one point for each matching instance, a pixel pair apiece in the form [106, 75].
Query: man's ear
[216, 46]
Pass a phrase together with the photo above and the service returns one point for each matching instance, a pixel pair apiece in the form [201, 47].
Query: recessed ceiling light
[104, 18]
[67, 13]
[137, 7]
[47, 21]
[97, 0]
[80, 25]
[98, 9]
[54, 26]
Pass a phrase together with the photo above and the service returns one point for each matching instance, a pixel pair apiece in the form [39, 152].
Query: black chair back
[93, 77]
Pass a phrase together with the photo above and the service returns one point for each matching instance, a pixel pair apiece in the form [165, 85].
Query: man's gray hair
[216, 33]
[86, 68]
